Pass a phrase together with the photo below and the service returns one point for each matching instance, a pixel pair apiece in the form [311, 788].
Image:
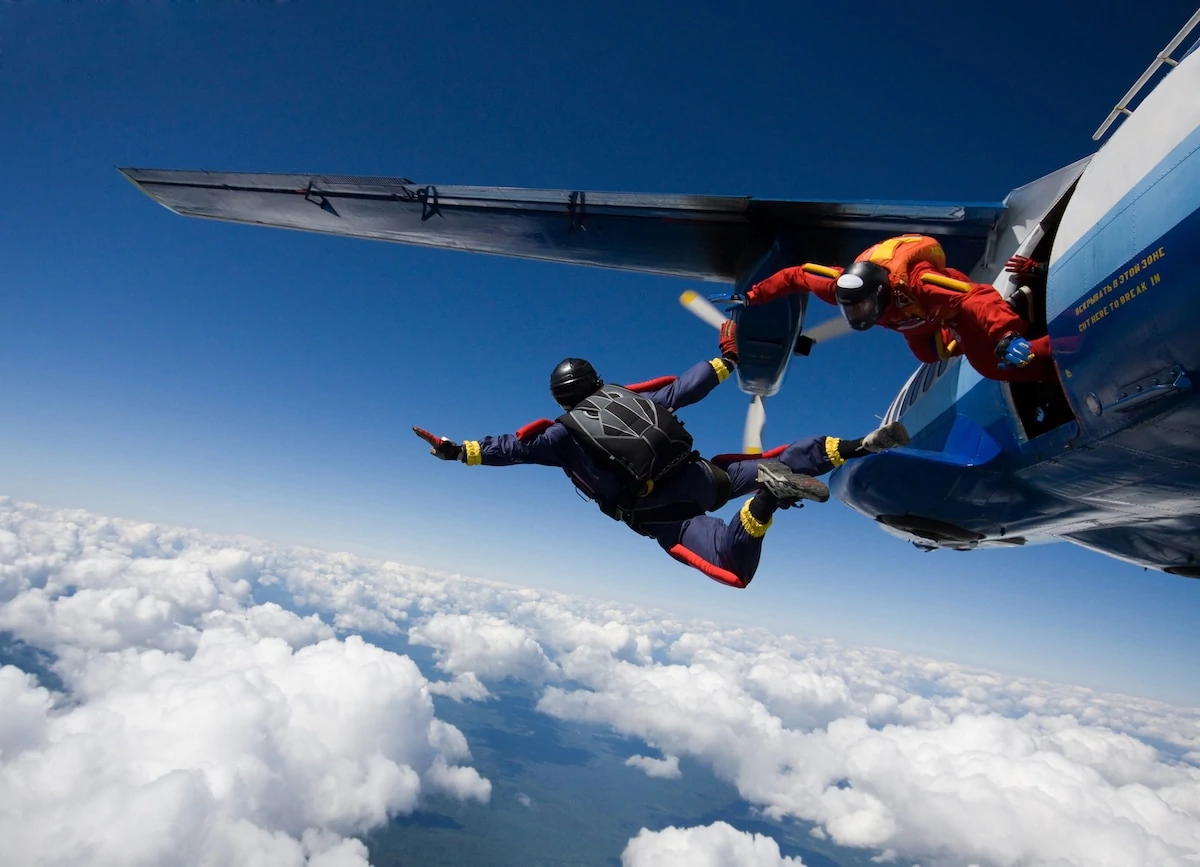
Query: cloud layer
[282, 733]
[921, 758]
[196, 727]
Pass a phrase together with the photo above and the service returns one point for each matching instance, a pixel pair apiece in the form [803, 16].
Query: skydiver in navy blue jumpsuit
[672, 511]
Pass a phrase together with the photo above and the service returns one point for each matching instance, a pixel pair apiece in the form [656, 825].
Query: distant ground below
[563, 795]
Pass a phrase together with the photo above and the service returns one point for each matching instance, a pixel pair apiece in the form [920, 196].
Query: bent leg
[728, 553]
[813, 456]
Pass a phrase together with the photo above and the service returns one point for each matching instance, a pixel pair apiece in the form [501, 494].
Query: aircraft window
[893, 412]
[942, 365]
[899, 405]
[914, 390]
[917, 386]
[927, 377]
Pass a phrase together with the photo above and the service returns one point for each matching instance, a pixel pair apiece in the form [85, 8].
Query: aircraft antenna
[1164, 57]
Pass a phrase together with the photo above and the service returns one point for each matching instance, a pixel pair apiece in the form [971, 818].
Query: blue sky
[264, 382]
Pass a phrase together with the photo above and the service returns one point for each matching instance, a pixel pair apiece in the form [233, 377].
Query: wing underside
[1170, 543]
[702, 237]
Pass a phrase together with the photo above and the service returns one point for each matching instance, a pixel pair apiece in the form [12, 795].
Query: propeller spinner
[756, 414]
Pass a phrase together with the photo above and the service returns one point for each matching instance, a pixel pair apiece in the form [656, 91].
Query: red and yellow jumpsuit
[940, 312]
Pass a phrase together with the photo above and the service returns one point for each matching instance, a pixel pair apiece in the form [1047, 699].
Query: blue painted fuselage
[1118, 468]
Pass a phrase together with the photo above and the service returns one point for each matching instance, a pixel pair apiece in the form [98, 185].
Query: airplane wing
[1170, 543]
[710, 238]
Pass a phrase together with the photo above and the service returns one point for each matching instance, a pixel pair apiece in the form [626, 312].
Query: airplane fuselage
[1114, 465]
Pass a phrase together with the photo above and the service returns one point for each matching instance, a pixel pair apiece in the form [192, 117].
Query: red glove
[1025, 266]
[728, 341]
[442, 448]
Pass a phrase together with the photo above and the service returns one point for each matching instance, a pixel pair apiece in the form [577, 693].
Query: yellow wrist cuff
[754, 527]
[831, 451]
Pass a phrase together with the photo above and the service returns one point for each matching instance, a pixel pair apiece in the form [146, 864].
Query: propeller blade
[828, 330]
[756, 420]
[703, 308]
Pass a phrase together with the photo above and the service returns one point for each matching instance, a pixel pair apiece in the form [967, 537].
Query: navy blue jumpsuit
[728, 553]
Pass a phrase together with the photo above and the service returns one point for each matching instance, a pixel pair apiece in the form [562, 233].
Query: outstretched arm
[817, 279]
[695, 383]
[501, 451]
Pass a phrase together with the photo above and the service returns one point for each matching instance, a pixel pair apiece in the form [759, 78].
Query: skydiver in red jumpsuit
[903, 284]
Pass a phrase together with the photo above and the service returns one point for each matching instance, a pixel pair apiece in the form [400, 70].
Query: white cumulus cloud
[481, 644]
[664, 769]
[716, 845]
[464, 687]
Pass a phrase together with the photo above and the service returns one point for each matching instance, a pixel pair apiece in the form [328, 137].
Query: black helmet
[863, 292]
[572, 381]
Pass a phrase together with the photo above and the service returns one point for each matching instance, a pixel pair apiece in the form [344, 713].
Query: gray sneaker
[788, 486]
[889, 436]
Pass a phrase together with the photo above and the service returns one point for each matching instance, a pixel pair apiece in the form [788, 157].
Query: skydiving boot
[890, 436]
[788, 486]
